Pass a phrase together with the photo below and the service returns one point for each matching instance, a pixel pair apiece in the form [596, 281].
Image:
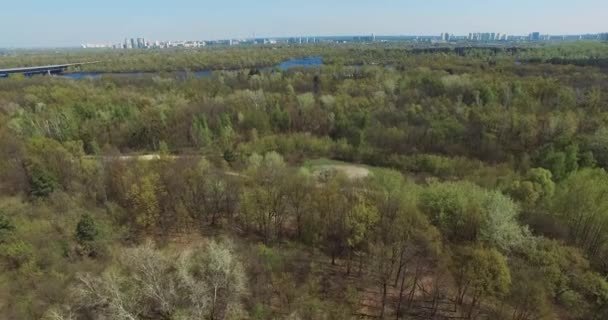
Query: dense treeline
[163, 198]
[159, 60]
[231, 58]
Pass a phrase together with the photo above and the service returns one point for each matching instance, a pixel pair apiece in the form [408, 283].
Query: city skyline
[142, 43]
[68, 23]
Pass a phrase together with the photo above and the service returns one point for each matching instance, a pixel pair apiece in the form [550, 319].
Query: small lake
[307, 62]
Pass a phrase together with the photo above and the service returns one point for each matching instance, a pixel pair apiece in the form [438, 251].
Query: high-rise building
[535, 36]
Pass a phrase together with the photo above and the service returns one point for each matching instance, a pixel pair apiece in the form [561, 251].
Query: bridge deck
[38, 69]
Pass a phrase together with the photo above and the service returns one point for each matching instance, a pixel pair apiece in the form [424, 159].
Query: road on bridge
[50, 69]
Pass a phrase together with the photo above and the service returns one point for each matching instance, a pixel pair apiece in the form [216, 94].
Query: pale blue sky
[27, 23]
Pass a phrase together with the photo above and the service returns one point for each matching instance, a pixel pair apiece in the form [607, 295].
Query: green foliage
[467, 213]
[568, 280]
[490, 273]
[460, 126]
[16, 254]
[455, 208]
[49, 165]
[42, 182]
[265, 205]
[86, 229]
[556, 163]
[7, 227]
[537, 186]
[481, 274]
[581, 204]
[200, 132]
[359, 221]
[88, 236]
[529, 295]
[144, 202]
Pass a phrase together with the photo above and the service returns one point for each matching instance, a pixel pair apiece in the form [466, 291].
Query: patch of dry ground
[351, 171]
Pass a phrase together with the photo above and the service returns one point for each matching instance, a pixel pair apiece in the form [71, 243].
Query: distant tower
[373, 37]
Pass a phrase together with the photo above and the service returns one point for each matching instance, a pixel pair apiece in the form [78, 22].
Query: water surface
[306, 62]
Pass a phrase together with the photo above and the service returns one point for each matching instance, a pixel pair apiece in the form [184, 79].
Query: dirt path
[141, 157]
[351, 171]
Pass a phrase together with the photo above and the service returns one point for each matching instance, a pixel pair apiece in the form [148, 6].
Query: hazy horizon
[68, 23]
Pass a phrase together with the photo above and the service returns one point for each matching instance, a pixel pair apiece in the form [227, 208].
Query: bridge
[49, 70]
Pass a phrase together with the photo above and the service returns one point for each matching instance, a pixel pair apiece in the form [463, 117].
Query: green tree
[455, 208]
[480, 274]
[143, 201]
[536, 188]
[280, 120]
[265, 203]
[86, 229]
[360, 219]
[16, 254]
[87, 234]
[7, 228]
[50, 166]
[556, 162]
[200, 132]
[581, 203]
[42, 182]
[300, 187]
[528, 294]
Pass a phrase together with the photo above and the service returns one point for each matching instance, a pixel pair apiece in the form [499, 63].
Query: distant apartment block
[141, 43]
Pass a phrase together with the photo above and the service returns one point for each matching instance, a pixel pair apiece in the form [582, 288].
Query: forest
[392, 182]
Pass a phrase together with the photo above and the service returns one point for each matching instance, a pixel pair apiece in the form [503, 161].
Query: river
[307, 62]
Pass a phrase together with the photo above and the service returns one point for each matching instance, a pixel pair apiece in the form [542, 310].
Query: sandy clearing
[351, 171]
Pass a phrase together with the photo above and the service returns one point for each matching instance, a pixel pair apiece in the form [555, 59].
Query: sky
[63, 23]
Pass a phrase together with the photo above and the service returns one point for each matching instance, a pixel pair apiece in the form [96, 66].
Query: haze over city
[69, 23]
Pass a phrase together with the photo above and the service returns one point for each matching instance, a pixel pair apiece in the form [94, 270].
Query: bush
[16, 254]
